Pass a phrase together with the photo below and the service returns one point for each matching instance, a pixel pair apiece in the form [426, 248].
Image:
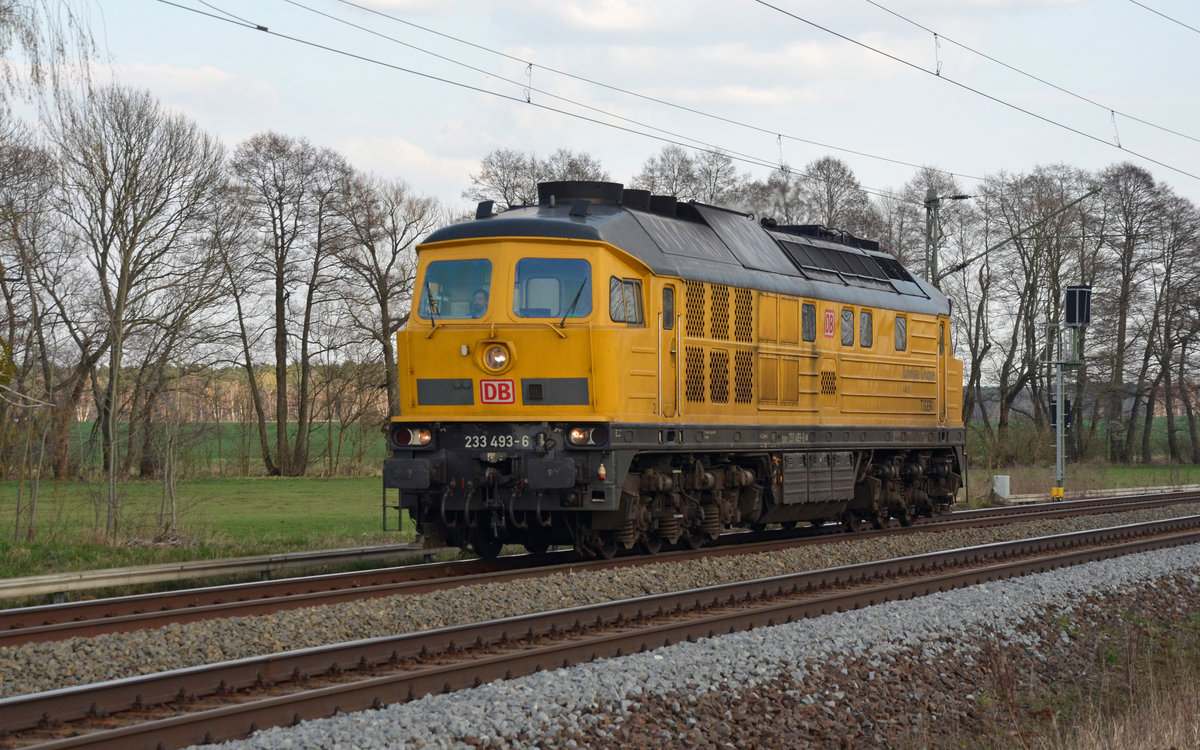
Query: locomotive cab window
[552, 288]
[625, 301]
[808, 321]
[847, 327]
[866, 337]
[668, 308]
[455, 289]
[901, 333]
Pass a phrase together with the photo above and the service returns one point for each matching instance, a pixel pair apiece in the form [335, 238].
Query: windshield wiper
[574, 302]
[432, 305]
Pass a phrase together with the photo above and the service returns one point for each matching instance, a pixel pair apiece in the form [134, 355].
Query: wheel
[854, 524]
[651, 544]
[537, 545]
[486, 545]
[788, 524]
[538, 540]
[690, 540]
[608, 548]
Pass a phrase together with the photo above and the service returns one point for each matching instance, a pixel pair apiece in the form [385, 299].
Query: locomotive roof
[706, 243]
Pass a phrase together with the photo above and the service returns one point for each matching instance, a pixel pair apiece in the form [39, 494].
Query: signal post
[1078, 314]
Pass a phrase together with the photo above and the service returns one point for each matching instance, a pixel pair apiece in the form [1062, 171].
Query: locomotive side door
[668, 354]
[942, 355]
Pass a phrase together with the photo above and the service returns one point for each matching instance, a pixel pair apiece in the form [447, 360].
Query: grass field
[237, 517]
[230, 449]
[1080, 477]
[217, 518]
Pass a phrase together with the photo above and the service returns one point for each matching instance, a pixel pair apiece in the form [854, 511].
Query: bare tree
[26, 178]
[670, 172]
[136, 184]
[385, 221]
[717, 181]
[832, 196]
[1173, 271]
[507, 177]
[564, 165]
[292, 190]
[510, 178]
[777, 197]
[51, 34]
[1133, 202]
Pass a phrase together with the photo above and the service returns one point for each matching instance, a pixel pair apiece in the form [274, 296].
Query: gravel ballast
[918, 673]
[47, 666]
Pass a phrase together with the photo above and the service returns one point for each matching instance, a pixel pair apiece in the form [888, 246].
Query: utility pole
[933, 203]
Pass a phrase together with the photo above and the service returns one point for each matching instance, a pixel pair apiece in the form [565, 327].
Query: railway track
[130, 613]
[229, 700]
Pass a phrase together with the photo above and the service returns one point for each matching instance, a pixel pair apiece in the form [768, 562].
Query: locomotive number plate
[496, 441]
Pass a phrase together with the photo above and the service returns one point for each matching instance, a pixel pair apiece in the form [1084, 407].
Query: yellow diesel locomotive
[610, 369]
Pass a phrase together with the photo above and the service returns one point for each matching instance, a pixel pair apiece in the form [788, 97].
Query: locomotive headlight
[587, 435]
[495, 357]
[412, 437]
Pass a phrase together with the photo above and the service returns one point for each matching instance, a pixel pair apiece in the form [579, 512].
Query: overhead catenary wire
[628, 92]
[977, 92]
[1056, 87]
[1164, 15]
[754, 161]
[526, 87]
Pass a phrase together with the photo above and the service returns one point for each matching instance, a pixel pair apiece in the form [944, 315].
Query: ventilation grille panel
[718, 378]
[694, 374]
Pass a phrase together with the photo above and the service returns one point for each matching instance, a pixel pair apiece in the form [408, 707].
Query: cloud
[234, 106]
[428, 172]
[206, 86]
[611, 15]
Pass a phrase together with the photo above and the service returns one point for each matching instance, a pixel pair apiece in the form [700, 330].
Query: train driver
[479, 303]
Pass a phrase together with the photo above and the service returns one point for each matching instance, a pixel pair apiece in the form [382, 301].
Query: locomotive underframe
[489, 484]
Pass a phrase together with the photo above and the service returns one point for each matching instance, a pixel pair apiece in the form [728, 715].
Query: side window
[941, 339]
[901, 333]
[668, 308]
[625, 301]
[808, 321]
[865, 337]
[847, 327]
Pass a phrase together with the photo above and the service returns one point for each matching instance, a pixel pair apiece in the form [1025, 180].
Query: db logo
[497, 392]
[829, 319]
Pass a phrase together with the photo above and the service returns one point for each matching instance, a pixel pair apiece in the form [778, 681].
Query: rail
[458, 656]
[60, 584]
[262, 565]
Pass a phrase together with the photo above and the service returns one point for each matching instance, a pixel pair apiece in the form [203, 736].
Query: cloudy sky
[423, 89]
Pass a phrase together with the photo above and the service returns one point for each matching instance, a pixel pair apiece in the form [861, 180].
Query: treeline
[208, 426]
[1006, 250]
[138, 253]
